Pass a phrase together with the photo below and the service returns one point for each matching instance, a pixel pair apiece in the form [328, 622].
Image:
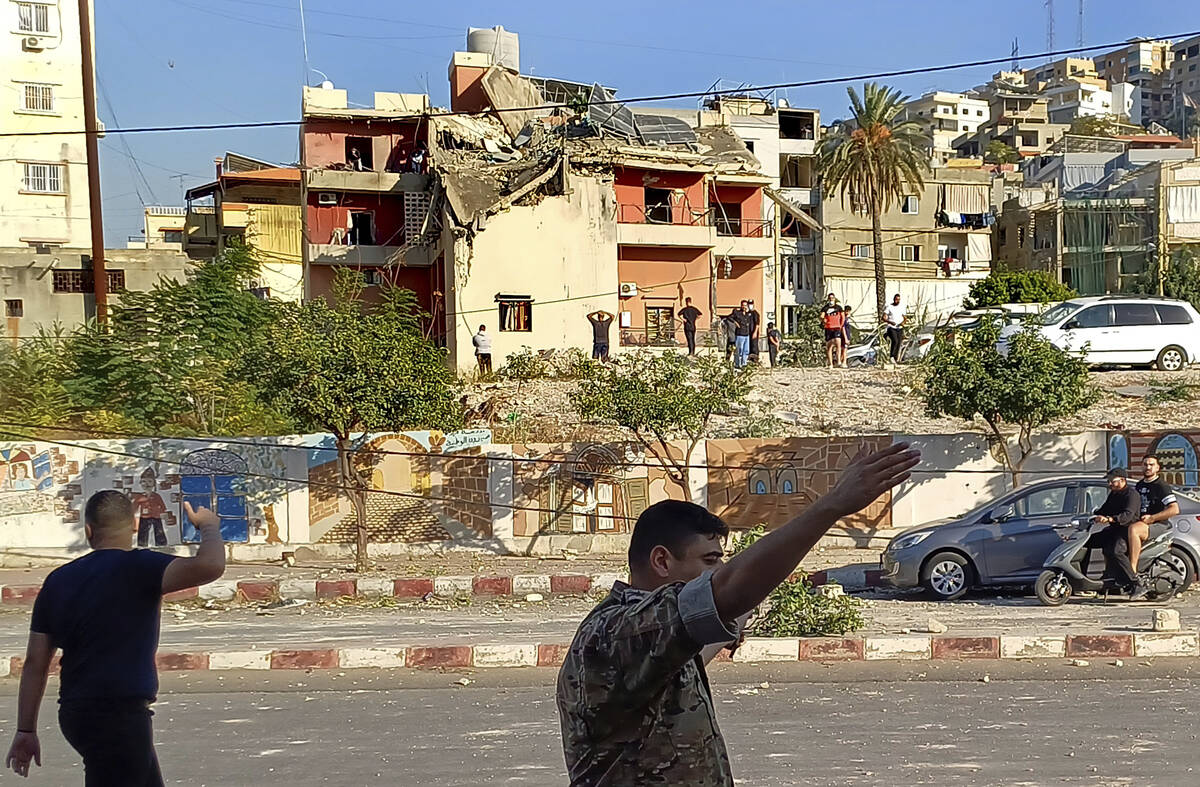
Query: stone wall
[464, 493]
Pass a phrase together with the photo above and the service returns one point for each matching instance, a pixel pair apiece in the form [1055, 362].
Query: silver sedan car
[1006, 541]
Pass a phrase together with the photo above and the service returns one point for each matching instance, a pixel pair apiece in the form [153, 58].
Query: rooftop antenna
[1016, 51]
[1049, 29]
[1079, 36]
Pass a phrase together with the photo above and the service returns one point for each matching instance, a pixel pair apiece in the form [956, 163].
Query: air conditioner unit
[327, 198]
[628, 289]
[32, 44]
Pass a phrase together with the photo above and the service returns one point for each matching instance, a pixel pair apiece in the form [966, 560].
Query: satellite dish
[327, 85]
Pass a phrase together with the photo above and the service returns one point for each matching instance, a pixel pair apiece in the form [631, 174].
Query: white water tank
[501, 44]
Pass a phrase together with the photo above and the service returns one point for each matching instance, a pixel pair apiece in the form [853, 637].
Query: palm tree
[872, 160]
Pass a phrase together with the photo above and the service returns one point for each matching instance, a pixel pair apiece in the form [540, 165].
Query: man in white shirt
[483, 351]
[894, 316]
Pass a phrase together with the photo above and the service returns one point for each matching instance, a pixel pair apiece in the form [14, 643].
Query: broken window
[796, 125]
[729, 218]
[658, 205]
[750, 145]
[516, 312]
[910, 253]
[362, 228]
[795, 172]
[358, 154]
[660, 325]
[14, 308]
[909, 204]
[798, 272]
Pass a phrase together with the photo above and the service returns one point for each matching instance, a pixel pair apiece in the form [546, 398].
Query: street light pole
[92, 130]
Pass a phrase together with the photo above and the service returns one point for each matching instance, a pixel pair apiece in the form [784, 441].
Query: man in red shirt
[150, 510]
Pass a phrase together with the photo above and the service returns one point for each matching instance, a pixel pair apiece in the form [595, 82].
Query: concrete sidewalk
[444, 633]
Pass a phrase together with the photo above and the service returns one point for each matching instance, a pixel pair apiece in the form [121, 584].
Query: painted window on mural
[216, 479]
[1118, 451]
[760, 481]
[787, 482]
[1177, 455]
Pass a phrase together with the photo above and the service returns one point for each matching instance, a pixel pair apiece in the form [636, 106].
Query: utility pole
[1049, 29]
[92, 131]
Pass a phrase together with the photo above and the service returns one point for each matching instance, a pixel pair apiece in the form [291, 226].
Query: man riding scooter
[1122, 508]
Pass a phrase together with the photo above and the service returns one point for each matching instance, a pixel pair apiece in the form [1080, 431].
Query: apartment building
[1073, 98]
[946, 117]
[1077, 68]
[1185, 81]
[162, 228]
[936, 242]
[1019, 119]
[43, 177]
[1145, 64]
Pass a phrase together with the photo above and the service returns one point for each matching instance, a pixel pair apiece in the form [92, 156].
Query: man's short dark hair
[671, 524]
[1116, 472]
[1152, 456]
[108, 510]
[481, 327]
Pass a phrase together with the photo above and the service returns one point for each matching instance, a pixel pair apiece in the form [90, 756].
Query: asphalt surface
[853, 724]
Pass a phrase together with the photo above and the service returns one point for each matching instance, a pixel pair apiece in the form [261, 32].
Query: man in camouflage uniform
[633, 695]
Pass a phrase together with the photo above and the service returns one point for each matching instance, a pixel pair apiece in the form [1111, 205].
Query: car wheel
[1171, 359]
[947, 576]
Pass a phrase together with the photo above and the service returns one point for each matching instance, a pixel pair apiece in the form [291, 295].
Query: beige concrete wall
[63, 217]
[562, 252]
[29, 278]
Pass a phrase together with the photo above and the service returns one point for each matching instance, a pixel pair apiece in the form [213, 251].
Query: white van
[1123, 330]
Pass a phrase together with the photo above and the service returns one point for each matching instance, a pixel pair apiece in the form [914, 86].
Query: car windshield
[1056, 314]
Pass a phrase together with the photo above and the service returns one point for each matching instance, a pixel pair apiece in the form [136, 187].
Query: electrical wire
[634, 100]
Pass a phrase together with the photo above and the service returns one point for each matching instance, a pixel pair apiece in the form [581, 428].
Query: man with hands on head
[102, 611]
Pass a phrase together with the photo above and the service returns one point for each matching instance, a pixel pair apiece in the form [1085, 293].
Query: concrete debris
[935, 626]
[1166, 620]
[464, 682]
[985, 679]
[1118, 663]
[508, 91]
[1079, 662]
[831, 590]
[534, 597]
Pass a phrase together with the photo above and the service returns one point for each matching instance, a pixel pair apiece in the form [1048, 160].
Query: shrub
[805, 347]
[524, 366]
[573, 364]
[796, 609]
[1016, 287]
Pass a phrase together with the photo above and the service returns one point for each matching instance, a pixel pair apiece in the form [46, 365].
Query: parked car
[1006, 541]
[922, 340]
[1122, 330]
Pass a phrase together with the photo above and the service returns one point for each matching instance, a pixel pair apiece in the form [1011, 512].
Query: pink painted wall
[630, 186]
[391, 141]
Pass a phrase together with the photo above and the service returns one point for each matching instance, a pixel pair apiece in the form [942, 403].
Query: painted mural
[1178, 453]
[753, 482]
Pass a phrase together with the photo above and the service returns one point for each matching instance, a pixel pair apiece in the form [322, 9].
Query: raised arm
[25, 746]
[741, 584]
[207, 564]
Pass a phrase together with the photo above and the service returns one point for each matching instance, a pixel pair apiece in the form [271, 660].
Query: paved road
[858, 724]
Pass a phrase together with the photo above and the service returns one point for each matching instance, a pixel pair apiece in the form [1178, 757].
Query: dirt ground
[800, 402]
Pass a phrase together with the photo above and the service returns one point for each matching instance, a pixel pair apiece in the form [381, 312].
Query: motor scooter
[1163, 570]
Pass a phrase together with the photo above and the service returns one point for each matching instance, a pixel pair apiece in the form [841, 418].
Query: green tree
[998, 152]
[1000, 287]
[33, 375]
[873, 162]
[663, 397]
[168, 358]
[1027, 385]
[1095, 126]
[344, 368]
[1180, 280]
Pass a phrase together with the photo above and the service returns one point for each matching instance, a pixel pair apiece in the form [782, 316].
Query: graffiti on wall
[37, 480]
[1177, 452]
[753, 482]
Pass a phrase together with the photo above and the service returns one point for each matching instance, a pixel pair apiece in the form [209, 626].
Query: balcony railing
[744, 228]
[634, 213]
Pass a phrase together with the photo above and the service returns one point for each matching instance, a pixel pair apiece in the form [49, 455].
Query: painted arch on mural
[1178, 456]
[216, 479]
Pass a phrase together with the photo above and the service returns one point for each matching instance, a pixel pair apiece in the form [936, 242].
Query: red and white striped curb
[754, 650]
[498, 586]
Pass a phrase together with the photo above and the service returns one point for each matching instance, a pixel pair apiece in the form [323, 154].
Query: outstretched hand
[201, 518]
[25, 747]
[870, 475]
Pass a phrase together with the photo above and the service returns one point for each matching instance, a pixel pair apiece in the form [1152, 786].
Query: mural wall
[430, 487]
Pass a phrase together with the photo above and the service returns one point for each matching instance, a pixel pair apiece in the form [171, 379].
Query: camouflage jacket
[633, 696]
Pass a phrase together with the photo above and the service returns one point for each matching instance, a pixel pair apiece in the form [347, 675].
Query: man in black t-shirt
[1120, 510]
[1158, 505]
[689, 314]
[600, 320]
[102, 610]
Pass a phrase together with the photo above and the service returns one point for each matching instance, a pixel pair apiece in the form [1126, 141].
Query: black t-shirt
[741, 322]
[773, 333]
[1156, 496]
[755, 319]
[102, 610]
[600, 329]
[689, 314]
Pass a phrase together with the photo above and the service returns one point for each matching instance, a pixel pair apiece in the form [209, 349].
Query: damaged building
[531, 204]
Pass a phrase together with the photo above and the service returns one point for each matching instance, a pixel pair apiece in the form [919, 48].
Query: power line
[634, 100]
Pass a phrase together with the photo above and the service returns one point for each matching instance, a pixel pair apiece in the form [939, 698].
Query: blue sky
[180, 62]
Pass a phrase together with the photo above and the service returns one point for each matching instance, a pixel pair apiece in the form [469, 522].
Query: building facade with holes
[43, 172]
[40, 291]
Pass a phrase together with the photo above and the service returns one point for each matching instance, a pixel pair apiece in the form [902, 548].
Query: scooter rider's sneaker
[1139, 592]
